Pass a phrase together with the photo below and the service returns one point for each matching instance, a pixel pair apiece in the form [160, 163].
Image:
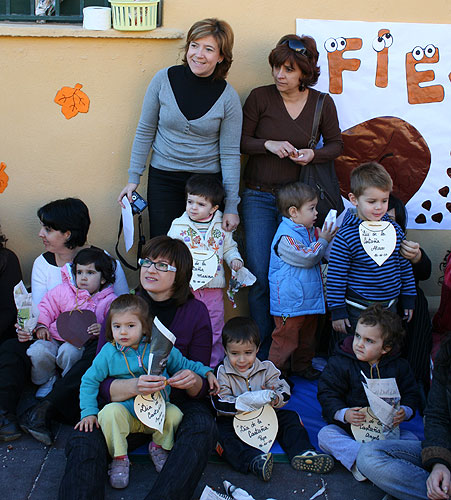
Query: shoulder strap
[316, 120]
[141, 243]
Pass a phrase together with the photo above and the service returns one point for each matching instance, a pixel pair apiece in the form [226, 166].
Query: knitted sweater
[206, 145]
[350, 267]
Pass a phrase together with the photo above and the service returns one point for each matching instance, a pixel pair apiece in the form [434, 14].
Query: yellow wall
[49, 157]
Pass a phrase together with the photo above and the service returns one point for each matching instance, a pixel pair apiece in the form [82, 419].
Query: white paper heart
[205, 267]
[257, 428]
[378, 239]
[151, 410]
[370, 429]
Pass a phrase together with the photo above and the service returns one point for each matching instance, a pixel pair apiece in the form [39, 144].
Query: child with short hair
[240, 372]
[87, 285]
[295, 282]
[200, 228]
[126, 355]
[375, 351]
[354, 279]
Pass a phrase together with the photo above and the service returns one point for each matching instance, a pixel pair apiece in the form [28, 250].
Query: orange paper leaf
[72, 101]
[3, 177]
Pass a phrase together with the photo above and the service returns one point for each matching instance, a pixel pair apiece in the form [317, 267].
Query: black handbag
[322, 176]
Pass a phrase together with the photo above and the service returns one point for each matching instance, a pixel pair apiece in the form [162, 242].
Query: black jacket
[340, 385]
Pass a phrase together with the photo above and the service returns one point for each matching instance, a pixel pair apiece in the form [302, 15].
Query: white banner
[391, 83]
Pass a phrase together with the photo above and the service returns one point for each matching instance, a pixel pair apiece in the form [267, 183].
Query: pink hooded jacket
[67, 297]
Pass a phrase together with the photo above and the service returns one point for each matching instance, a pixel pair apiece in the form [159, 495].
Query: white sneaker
[46, 388]
[209, 494]
[358, 476]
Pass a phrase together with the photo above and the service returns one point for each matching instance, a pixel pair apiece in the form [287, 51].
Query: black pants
[87, 458]
[292, 437]
[166, 198]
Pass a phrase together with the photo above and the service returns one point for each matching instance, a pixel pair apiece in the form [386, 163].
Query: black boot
[9, 427]
[36, 421]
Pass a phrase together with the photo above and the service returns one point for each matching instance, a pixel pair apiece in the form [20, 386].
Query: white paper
[384, 397]
[253, 400]
[127, 223]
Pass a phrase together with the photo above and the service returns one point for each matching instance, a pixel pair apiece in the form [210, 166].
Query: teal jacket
[110, 362]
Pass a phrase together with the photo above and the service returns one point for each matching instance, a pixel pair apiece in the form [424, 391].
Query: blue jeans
[261, 219]
[394, 467]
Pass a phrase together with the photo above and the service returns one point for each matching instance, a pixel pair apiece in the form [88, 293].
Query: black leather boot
[36, 421]
[9, 427]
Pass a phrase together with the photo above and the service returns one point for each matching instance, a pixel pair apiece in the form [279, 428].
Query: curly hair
[389, 323]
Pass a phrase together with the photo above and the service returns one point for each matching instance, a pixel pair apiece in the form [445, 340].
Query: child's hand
[408, 313]
[354, 416]
[236, 264]
[42, 333]
[87, 424]
[213, 383]
[327, 233]
[22, 335]
[94, 329]
[339, 325]
[275, 401]
[399, 417]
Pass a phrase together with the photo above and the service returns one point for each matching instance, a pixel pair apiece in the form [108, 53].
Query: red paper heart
[73, 326]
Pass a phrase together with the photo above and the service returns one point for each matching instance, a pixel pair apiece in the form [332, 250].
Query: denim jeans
[394, 467]
[261, 219]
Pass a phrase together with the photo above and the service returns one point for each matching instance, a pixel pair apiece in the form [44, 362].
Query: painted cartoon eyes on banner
[333, 44]
[379, 43]
[418, 53]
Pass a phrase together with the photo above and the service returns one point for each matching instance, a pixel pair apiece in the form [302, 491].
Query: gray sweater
[208, 144]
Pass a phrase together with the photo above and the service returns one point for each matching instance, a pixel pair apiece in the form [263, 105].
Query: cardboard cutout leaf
[72, 101]
[3, 177]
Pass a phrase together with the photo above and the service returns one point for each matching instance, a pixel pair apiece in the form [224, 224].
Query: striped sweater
[351, 268]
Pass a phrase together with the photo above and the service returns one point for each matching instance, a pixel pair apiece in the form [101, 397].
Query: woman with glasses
[166, 268]
[277, 128]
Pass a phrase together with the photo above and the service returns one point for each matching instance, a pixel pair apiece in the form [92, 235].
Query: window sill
[75, 31]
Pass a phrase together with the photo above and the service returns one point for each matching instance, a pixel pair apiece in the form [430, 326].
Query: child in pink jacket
[94, 273]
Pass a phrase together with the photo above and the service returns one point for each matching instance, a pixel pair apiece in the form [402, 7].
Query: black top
[10, 275]
[164, 310]
[195, 95]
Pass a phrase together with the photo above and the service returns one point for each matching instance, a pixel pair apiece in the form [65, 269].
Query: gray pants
[46, 355]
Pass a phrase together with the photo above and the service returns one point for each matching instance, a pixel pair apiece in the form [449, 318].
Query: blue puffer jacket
[294, 291]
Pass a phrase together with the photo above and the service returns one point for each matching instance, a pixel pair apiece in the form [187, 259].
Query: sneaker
[262, 465]
[46, 388]
[310, 461]
[209, 494]
[158, 455]
[119, 472]
[358, 476]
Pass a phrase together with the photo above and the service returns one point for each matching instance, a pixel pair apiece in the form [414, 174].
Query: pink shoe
[158, 455]
[119, 472]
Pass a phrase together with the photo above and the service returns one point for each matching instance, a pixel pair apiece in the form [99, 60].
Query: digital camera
[138, 203]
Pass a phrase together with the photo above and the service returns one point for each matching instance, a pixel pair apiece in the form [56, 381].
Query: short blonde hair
[294, 194]
[369, 175]
[222, 32]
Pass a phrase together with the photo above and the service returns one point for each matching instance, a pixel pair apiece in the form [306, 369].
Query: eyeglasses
[297, 45]
[159, 266]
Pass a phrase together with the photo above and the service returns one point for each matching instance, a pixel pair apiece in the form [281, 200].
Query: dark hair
[222, 32]
[389, 323]
[400, 211]
[207, 186]
[103, 263]
[3, 253]
[68, 214]
[369, 175]
[308, 63]
[240, 329]
[178, 255]
[294, 194]
[135, 304]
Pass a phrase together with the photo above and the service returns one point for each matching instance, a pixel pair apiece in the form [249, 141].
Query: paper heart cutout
[370, 429]
[205, 267]
[73, 326]
[257, 428]
[151, 410]
[378, 239]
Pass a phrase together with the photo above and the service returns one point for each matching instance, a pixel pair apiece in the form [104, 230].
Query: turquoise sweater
[110, 362]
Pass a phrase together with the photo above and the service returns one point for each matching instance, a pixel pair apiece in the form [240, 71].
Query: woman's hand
[282, 149]
[236, 264]
[183, 379]
[354, 416]
[327, 233]
[87, 424]
[230, 222]
[411, 251]
[339, 325]
[148, 384]
[439, 482]
[22, 335]
[213, 384]
[94, 329]
[303, 156]
[42, 333]
[127, 191]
